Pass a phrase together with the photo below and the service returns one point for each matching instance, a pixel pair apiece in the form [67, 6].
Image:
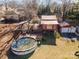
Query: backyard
[62, 49]
[39, 29]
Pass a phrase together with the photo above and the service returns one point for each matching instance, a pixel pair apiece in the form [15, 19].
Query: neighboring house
[12, 14]
[49, 22]
[9, 12]
[20, 11]
[2, 11]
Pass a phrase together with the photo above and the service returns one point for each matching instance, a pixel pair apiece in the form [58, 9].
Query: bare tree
[53, 7]
[12, 4]
[44, 7]
[6, 4]
[30, 8]
[66, 4]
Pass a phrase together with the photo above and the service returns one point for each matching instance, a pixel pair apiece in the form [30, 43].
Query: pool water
[23, 43]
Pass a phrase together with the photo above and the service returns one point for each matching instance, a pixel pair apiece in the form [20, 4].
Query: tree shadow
[11, 55]
[70, 36]
[49, 38]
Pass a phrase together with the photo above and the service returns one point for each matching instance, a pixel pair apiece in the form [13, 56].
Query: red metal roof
[49, 17]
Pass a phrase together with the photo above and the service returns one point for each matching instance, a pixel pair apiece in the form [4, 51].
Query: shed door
[49, 26]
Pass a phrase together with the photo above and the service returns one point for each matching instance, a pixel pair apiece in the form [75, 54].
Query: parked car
[77, 30]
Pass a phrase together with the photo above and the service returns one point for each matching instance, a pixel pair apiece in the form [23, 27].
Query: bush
[35, 21]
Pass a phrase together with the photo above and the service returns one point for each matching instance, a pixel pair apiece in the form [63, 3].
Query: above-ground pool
[23, 46]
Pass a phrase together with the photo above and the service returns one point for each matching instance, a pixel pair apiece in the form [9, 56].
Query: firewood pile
[6, 38]
[4, 28]
[5, 42]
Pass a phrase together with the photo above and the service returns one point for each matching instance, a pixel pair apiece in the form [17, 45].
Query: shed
[49, 22]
